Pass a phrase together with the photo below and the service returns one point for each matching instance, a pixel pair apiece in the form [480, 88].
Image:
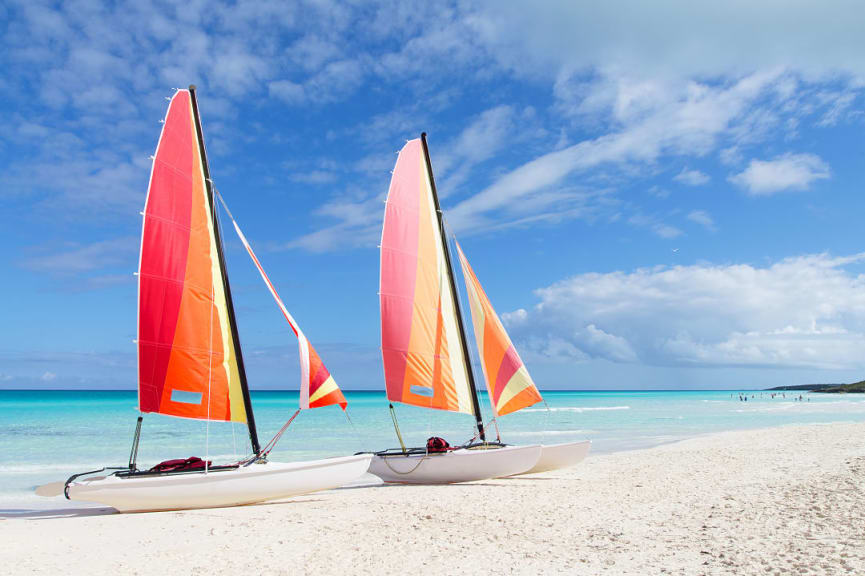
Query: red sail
[187, 365]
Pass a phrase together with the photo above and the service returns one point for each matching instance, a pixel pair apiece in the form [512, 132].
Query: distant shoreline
[854, 388]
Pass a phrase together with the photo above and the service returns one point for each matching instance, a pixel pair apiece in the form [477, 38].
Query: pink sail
[424, 364]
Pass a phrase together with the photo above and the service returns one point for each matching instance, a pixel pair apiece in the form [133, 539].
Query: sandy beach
[774, 501]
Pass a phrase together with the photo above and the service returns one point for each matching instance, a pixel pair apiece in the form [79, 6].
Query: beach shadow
[40, 514]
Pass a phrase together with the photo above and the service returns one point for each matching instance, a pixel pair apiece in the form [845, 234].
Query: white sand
[779, 501]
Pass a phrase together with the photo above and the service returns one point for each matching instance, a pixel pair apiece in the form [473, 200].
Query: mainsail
[508, 382]
[317, 386]
[189, 360]
[424, 359]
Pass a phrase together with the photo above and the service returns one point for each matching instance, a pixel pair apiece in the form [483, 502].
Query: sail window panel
[186, 397]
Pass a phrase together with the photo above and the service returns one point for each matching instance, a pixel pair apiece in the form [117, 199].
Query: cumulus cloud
[654, 224]
[782, 173]
[702, 218]
[82, 258]
[358, 223]
[687, 123]
[692, 177]
[806, 311]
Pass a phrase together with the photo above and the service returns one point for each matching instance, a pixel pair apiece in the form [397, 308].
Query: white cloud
[806, 311]
[656, 225]
[732, 39]
[287, 91]
[692, 177]
[358, 225]
[358, 220]
[782, 173]
[48, 376]
[483, 138]
[314, 177]
[703, 218]
[77, 259]
[688, 123]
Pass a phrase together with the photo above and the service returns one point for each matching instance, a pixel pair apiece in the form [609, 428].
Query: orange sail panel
[424, 364]
[508, 382]
[187, 364]
[317, 386]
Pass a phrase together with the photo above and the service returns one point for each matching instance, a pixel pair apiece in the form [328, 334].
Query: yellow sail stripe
[326, 388]
[518, 382]
[221, 322]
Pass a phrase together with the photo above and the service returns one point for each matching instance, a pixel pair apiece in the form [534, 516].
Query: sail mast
[479, 420]
[250, 418]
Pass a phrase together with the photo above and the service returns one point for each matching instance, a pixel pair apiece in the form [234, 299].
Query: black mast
[479, 420]
[232, 321]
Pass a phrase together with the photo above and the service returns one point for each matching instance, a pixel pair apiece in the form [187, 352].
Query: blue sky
[663, 195]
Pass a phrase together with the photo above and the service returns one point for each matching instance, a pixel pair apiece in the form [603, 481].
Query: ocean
[49, 435]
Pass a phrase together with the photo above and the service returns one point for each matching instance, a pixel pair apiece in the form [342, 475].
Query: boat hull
[463, 465]
[218, 488]
[557, 456]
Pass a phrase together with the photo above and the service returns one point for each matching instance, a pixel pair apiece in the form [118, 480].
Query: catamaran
[425, 349]
[190, 363]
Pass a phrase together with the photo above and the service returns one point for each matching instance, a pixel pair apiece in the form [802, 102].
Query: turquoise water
[48, 435]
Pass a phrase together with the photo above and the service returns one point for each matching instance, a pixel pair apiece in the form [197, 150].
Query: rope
[273, 441]
[416, 466]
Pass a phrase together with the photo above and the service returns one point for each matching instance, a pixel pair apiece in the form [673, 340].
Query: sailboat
[424, 345]
[190, 362]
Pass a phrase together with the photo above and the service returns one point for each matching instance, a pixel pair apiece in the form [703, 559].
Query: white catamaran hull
[217, 488]
[556, 456]
[463, 465]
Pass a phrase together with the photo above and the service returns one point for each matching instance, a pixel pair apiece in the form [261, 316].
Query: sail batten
[508, 382]
[424, 362]
[185, 336]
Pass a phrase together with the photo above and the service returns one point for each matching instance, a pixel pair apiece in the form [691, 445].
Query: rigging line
[273, 441]
[547, 413]
[396, 427]
[495, 423]
[420, 461]
[209, 380]
[473, 351]
[351, 423]
[234, 439]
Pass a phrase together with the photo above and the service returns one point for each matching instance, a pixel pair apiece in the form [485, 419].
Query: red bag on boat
[436, 444]
[191, 463]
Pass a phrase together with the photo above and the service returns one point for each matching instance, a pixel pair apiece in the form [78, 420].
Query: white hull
[217, 488]
[556, 456]
[463, 465]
